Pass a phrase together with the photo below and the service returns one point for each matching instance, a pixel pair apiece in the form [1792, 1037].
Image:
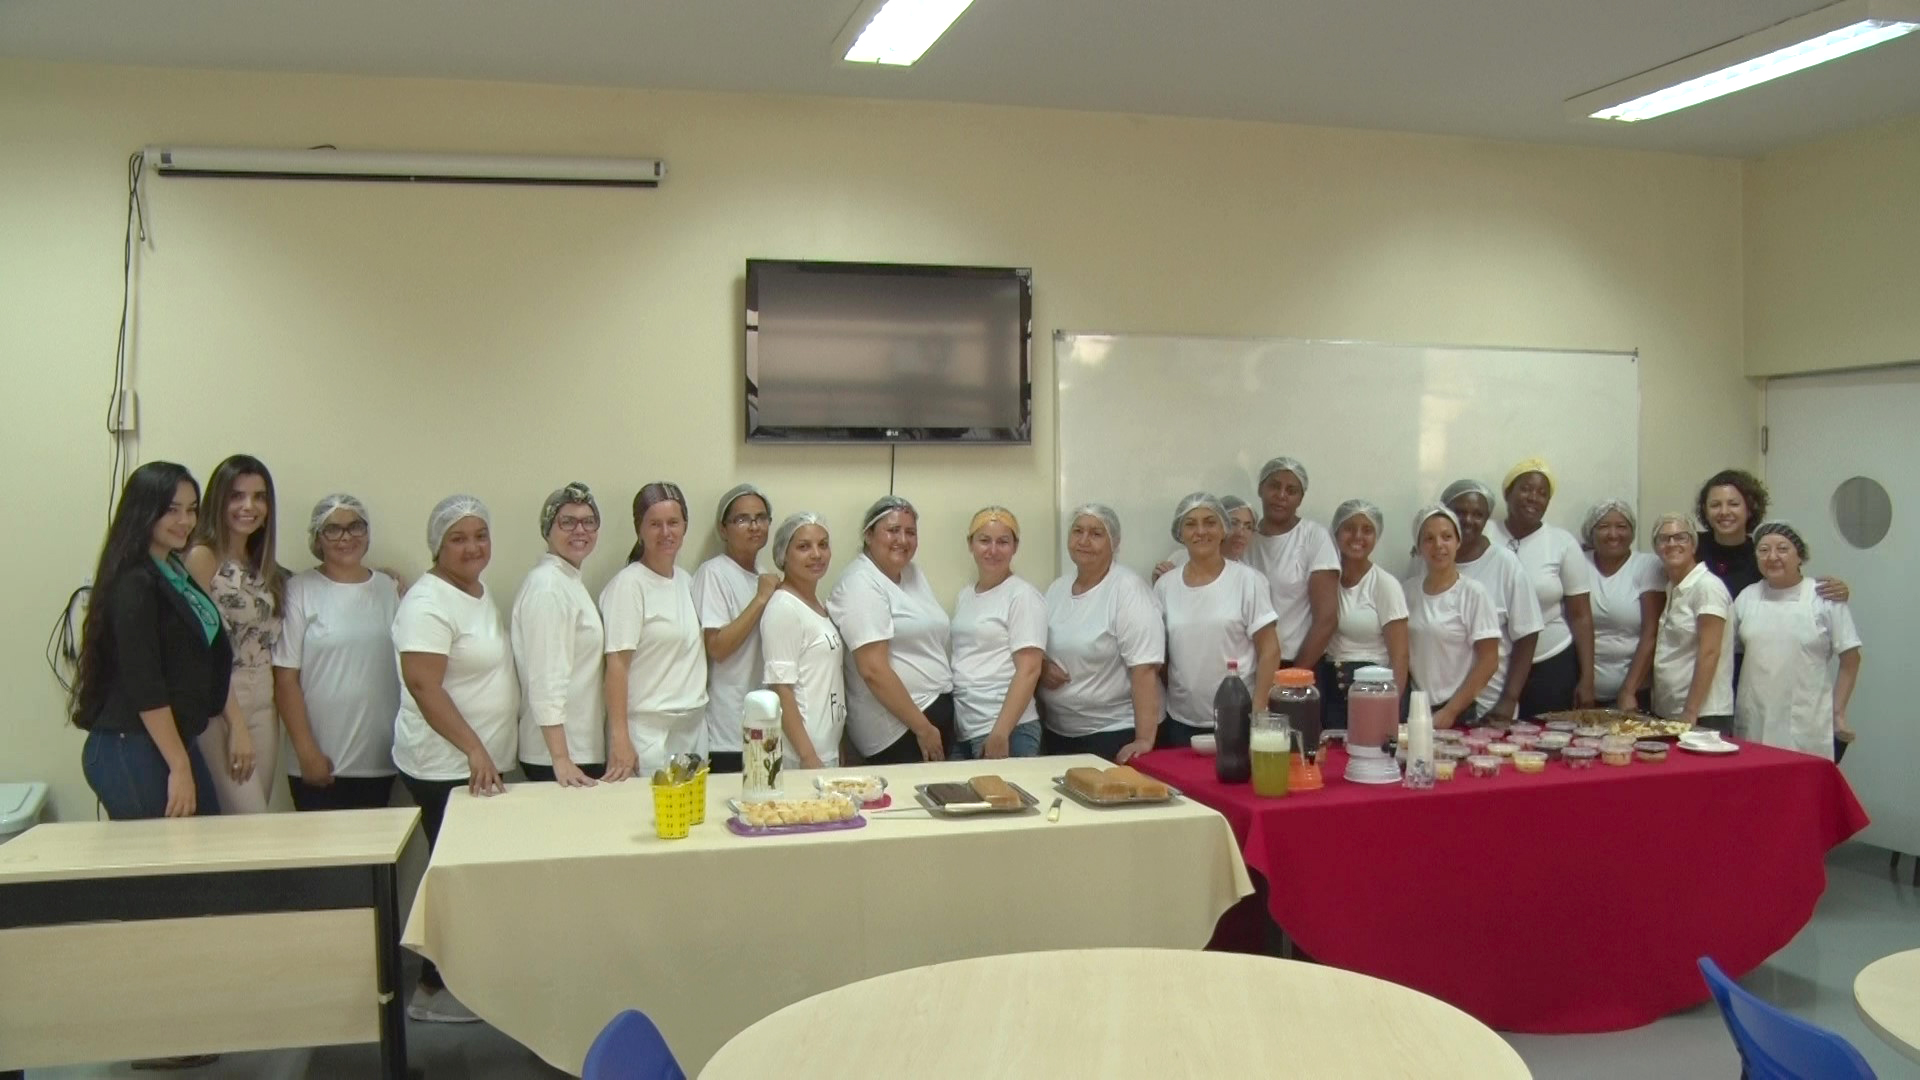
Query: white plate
[1700, 746]
[1203, 744]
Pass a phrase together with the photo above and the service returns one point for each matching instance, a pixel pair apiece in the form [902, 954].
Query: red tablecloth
[1555, 902]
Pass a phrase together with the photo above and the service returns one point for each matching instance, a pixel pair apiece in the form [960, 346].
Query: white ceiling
[1494, 68]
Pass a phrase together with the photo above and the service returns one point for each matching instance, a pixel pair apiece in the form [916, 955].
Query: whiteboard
[1143, 419]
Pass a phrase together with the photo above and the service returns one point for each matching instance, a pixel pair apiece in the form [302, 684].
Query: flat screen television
[888, 353]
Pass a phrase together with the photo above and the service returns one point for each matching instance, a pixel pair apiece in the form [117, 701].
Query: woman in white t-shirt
[1216, 611]
[1516, 604]
[656, 655]
[1106, 641]
[1453, 631]
[1298, 559]
[1561, 676]
[1629, 593]
[335, 685]
[805, 657]
[1789, 695]
[1693, 650]
[731, 594]
[899, 678]
[999, 640]
[1240, 526]
[1372, 631]
[559, 648]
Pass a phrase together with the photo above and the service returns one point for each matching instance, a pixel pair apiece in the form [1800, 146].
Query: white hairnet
[324, 509]
[1602, 509]
[1234, 502]
[1671, 517]
[449, 510]
[885, 505]
[1199, 498]
[1466, 487]
[1107, 517]
[1354, 507]
[784, 534]
[1284, 464]
[1427, 513]
[732, 495]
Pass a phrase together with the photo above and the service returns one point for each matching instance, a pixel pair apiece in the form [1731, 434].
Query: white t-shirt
[1097, 637]
[1699, 593]
[1557, 568]
[722, 589]
[1516, 605]
[1616, 619]
[1365, 611]
[804, 650]
[559, 648]
[868, 606]
[1791, 638]
[437, 617]
[988, 629]
[340, 639]
[654, 618]
[1287, 561]
[1206, 627]
[1441, 633]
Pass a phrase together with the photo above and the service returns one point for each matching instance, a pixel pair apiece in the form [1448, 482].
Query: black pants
[1174, 733]
[345, 793]
[544, 773]
[1106, 744]
[1551, 684]
[722, 762]
[906, 749]
[431, 797]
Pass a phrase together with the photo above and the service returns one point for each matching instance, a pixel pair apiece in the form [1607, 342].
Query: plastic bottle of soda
[1233, 728]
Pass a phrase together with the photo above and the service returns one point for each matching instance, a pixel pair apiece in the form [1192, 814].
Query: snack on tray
[995, 792]
[776, 812]
[949, 794]
[863, 789]
[1139, 785]
[1097, 784]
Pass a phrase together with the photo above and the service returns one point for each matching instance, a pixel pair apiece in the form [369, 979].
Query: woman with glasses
[1693, 653]
[1498, 571]
[656, 658]
[1794, 639]
[732, 594]
[558, 645]
[1240, 526]
[1298, 559]
[334, 682]
[1216, 612]
[1561, 675]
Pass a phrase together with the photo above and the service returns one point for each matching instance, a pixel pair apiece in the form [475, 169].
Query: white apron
[1786, 693]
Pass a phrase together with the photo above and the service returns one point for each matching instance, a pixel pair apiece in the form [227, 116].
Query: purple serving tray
[740, 828]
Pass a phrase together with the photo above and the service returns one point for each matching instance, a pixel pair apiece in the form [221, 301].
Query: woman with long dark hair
[232, 558]
[656, 655]
[154, 659]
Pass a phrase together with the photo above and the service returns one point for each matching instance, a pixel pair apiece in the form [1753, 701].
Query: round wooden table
[1887, 993]
[1116, 1013]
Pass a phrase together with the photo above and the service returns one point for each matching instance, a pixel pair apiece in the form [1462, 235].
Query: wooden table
[1887, 993]
[127, 939]
[1117, 1013]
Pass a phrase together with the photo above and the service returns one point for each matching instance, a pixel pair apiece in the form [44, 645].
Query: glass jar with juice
[1272, 753]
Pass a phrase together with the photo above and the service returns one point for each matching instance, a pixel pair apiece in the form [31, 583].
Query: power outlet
[126, 412]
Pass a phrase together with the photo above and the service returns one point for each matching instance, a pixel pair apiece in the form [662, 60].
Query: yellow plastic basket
[673, 809]
[700, 796]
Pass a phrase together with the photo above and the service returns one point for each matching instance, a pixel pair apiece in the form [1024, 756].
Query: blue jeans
[1023, 742]
[128, 775]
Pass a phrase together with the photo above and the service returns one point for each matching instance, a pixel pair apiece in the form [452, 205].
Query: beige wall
[404, 343]
[1833, 253]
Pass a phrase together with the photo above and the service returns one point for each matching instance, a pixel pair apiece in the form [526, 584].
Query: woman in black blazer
[154, 661]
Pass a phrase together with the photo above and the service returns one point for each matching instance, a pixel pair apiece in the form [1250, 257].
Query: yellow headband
[1532, 464]
[994, 513]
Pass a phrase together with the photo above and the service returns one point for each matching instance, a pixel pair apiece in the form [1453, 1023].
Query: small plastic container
[1617, 755]
[1443, 767]
[1523, 740]
[1478, 740]
[1484, 765]
[1448, 735]
[1452, 752]
[1587, 742]
[1502, 749]
[1561, 725]
[1530, 761]
[1499, 729]
[1524, 727]
[1590, 731]
[1580, 757]
[1651, 751]
[1552, 743]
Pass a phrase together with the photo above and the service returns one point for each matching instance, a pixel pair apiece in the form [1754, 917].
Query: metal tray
[970, 809]
[1060, 785]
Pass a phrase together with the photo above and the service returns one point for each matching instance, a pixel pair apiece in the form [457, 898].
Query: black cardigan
[157, 654]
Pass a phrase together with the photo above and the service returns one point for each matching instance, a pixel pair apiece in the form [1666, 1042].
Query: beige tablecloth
[550, 910]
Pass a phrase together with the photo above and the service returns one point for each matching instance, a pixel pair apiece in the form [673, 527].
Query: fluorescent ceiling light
[902, 30]
[1782, 49]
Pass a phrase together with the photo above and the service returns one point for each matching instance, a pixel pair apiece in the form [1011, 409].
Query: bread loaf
[995, 792]
[1139, 785]
[1096, 784]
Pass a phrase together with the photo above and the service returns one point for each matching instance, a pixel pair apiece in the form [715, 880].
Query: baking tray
[740, 828]
[1060, 785]
[1027, 802]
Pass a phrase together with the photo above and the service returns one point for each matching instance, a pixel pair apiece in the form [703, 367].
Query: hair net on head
[1532, 464]
[994, 513]
[1234, 502]
[1106, 515]
[733, 495]
[883, 506]
[324, 509]
[1283, 464]
[1602, 509]
[784, 534]
[1199, 498]
[1781, 528]
[1672, 517]
[573, 493]
[1466, 487]
[1428, 513]
[1353, 507]
[449, 510]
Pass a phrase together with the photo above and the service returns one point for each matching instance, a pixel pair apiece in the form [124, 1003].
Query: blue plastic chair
[630, 1047]
[1776, 1045]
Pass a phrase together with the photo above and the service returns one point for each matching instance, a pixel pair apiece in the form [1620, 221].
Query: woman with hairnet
[1106, 641]
[1240, 526]
[731, 594]
[1500, 573]
[558, 648]
[1372, 631]
[334, 682]
[460, 710]
[900, 680]
[1216, 611]
[1298, 559]
[1629, 593]
[999, 641]
[804, 654]
[1693, 649]
[656, 655]
[1562, 673]
[1452, 627]
[1792, 637]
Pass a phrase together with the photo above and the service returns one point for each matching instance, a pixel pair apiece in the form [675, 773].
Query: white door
[1843, 465]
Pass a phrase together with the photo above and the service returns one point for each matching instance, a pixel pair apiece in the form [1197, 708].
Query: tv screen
[877, 352]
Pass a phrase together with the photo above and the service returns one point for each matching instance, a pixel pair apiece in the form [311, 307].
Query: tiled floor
[1865, 915]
